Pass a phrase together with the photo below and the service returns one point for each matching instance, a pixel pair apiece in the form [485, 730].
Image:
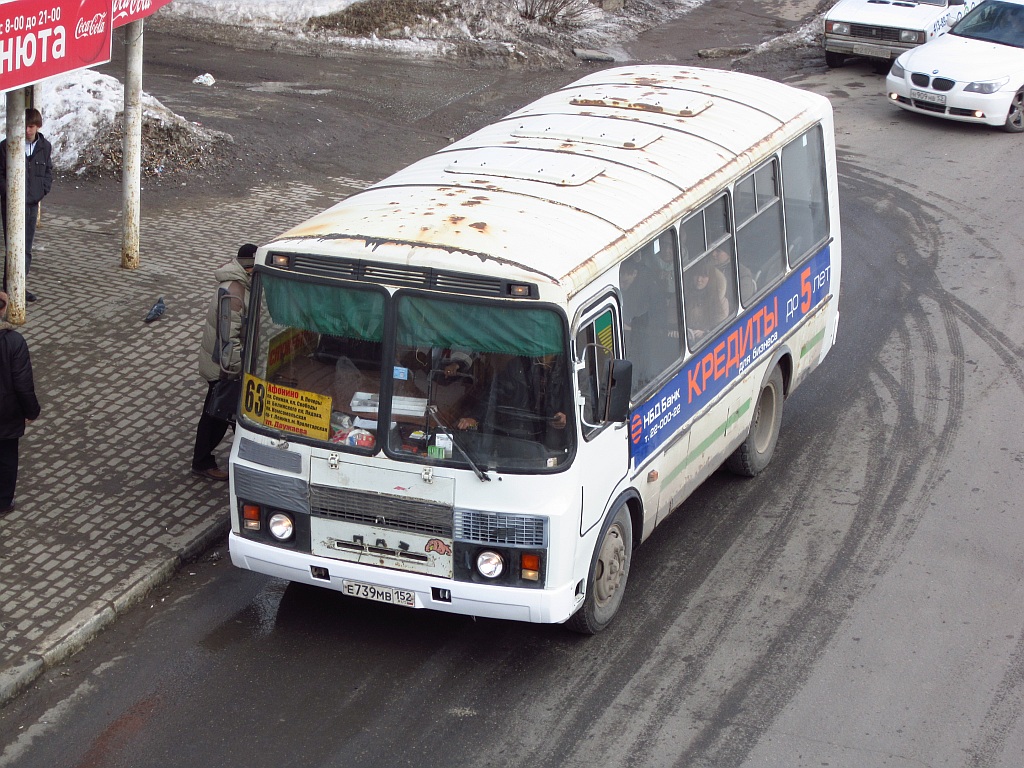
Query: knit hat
[247, 255]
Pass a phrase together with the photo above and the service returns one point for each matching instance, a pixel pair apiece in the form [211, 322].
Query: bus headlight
[490, 564]
[281, 526]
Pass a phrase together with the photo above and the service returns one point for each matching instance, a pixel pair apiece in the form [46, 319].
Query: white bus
[479, 384]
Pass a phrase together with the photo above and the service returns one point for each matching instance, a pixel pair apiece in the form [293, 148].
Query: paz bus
[479, 384]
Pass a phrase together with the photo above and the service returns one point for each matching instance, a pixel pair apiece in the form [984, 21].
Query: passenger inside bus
[635, 309]
[724, 263]
[707, 303]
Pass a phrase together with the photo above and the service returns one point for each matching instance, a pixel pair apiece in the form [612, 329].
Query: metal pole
[131, 165]
[15, 254]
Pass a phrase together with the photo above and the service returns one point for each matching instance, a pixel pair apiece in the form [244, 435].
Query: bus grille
[489, 528]
[381, 511]
[404, 275]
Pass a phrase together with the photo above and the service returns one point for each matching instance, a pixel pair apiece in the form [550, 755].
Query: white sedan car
[974, 73]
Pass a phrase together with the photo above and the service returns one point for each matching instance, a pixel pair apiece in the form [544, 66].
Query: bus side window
[759, 237]
[595, 348]
[803, 179]
[692, 239]
[651, 309]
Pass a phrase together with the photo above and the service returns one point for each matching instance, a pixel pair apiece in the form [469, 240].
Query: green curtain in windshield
[512, 330]
[329, 309]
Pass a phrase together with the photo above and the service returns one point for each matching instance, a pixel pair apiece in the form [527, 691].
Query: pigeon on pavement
[157, 311]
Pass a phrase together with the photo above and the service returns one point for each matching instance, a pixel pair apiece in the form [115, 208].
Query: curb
[75, 634]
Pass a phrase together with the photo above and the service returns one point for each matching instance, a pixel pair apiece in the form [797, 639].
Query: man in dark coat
[18, 404]
[38, 180]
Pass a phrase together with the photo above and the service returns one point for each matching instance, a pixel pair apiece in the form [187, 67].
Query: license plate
[934, 98]
[865, 50]
[381, 594]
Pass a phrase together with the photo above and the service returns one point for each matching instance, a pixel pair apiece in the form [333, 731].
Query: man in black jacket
[38, 180]
[18, 403]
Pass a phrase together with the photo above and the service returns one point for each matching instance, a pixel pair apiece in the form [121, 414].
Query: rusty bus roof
[565, 187]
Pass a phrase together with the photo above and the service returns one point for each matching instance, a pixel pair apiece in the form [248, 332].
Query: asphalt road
[855, 605]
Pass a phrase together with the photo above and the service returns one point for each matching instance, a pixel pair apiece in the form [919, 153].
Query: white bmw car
[974, 73]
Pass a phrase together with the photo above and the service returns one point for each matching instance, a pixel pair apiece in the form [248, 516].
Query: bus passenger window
[692, 240]
[759, 235]
[744, 200]
[716, 220]
[651, 309]
[803, 177]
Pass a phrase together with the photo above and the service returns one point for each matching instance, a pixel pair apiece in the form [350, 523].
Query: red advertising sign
[127, 11]
[42, 39]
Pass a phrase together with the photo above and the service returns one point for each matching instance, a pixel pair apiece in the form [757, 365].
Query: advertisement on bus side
[740, 346]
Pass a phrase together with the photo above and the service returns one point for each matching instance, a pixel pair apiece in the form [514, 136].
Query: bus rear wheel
[756, 451]
[608, 573]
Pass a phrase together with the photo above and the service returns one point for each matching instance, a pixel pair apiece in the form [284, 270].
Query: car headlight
[281, 526]
[911, 36]
[897, 70]
[986, 86]
[837, 27]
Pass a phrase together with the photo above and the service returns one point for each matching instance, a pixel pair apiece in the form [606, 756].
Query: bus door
[603, 454]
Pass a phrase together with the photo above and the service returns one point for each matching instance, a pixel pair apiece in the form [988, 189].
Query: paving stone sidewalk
[106, 506]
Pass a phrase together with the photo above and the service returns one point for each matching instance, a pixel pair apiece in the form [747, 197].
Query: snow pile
[82, 119]
[256, 12]
[455, 27]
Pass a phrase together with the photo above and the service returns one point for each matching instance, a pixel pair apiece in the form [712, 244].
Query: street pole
[15, 253]
[131, 155]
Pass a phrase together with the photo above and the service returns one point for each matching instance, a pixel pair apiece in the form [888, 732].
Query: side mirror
[620, 382]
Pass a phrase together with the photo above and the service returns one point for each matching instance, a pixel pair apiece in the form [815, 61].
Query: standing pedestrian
[18, 404]
[38, 180]
[220, 356]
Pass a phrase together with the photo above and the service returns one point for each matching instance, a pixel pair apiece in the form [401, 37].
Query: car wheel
[833, 60]
[1015, 117]
[881, 66]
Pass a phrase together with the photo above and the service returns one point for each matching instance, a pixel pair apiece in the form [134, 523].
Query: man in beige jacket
[220, 356]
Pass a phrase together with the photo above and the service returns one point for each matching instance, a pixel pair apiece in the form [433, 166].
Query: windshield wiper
[432, 410]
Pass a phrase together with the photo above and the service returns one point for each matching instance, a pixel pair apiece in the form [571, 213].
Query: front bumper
[541, 606]
[960, 105]
[853, 46]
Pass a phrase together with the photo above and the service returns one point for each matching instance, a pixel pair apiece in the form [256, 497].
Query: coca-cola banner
[42, 39]
[126, 11]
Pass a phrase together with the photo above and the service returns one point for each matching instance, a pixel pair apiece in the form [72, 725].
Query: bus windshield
[460, 382]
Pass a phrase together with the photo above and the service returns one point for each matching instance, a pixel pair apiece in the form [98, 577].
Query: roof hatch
[680, 104]
[621, 137]
[551, 168]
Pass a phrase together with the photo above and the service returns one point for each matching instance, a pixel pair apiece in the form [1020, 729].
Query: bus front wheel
[609, 570]
[756, 451]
